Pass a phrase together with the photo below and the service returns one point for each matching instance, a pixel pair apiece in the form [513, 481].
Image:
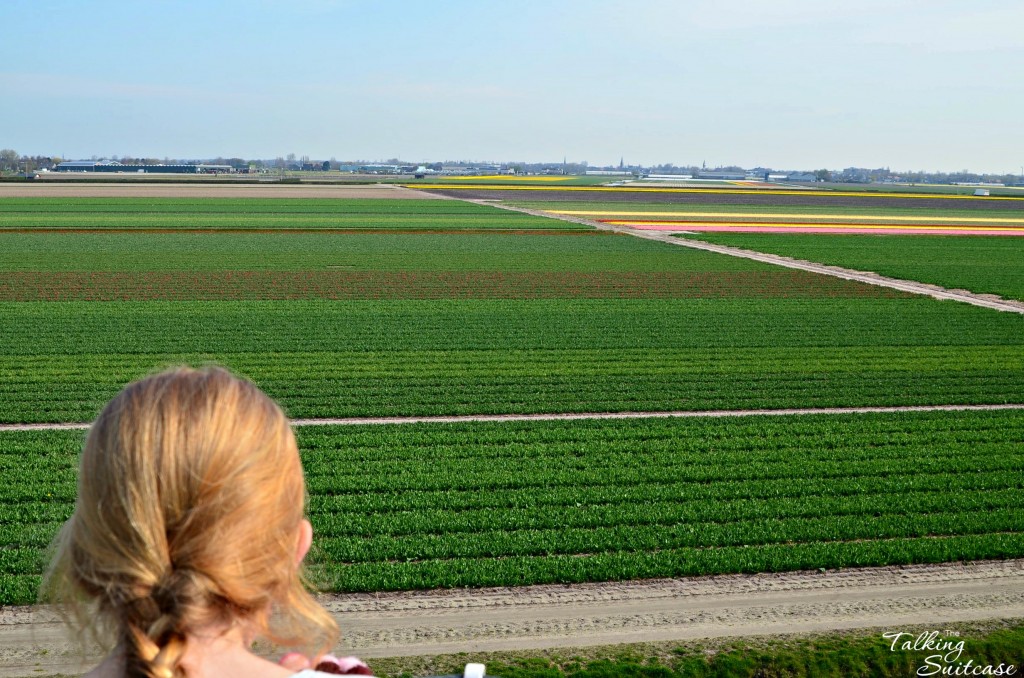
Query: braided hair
[190, 496]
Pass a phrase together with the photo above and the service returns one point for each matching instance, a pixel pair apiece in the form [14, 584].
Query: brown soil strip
[71, 189]
[578, 416]
[34, 642]
[984, 300]
[348, 284]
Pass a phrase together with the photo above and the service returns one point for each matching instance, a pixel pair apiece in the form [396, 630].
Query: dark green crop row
[420, 507]
[266, 213]
[989, 265]
[62, 361]
[655, 515]
[510, 503]
[493, 252]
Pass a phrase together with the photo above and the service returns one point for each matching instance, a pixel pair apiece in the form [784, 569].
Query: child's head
[190, 517]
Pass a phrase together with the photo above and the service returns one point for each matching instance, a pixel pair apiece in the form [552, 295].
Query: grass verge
[864, 652]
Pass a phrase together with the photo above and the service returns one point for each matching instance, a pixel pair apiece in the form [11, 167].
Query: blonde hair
[190, 497]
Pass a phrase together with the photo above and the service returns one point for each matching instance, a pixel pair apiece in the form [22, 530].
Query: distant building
[112, 166]
[722, 175]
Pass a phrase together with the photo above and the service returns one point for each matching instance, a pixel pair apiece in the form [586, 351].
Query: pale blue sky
[914, 84]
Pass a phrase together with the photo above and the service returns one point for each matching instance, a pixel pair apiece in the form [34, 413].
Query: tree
[326, 166]
[9, 160]
[823, 175]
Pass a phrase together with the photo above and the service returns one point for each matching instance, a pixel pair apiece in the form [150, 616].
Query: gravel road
[34, 643]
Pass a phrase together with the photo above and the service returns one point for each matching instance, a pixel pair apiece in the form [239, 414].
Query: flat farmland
[771, 199]
[988, 265]
[391, 324]
[373, 309]
[822, 218]
[517, 503]
[155, 186]
[131, 266]
[177, 213]
[961, 246]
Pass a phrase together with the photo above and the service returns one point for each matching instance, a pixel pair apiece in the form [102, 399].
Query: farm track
[34, 642]
[574, 416]
[912, 286]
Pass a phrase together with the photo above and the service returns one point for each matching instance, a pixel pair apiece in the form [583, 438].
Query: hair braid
[190, 497]
[153, 656]
[155, 624]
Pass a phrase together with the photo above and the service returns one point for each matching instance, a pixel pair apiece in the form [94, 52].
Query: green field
[581, 251]
[407, 308]
[62, 360]
[260, 213]
[985, 264]
[444, 505]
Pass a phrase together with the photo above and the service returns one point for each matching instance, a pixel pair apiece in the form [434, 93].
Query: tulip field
[255, 214]
[377, 308]
[979, 264]
[432, 505]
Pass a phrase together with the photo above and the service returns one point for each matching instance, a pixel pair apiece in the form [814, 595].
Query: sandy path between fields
[33, 642]
[575, 416]
[984, 300]
[70, 189]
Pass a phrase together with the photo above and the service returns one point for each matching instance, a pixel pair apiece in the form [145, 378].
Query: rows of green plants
[582, 251]
[989, 265]
[262, 213]
[185, 286]
[60, 361]
[472, 504]
[271, 206]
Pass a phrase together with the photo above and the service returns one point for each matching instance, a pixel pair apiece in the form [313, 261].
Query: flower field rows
[429, 505]
[984, 265]
[877, 223]
[821, 228]
[245, 214]
[283, 285]
[779, 199]
[394, 309]
[61, 360]
[400, 251]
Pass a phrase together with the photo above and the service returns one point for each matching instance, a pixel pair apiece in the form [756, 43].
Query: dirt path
[33, 642]
[574, 416]
[984, 300]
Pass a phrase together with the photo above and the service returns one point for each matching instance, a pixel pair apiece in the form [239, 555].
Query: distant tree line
[12, 161]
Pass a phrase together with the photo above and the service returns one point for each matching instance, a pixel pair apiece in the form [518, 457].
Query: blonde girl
[188, 533]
